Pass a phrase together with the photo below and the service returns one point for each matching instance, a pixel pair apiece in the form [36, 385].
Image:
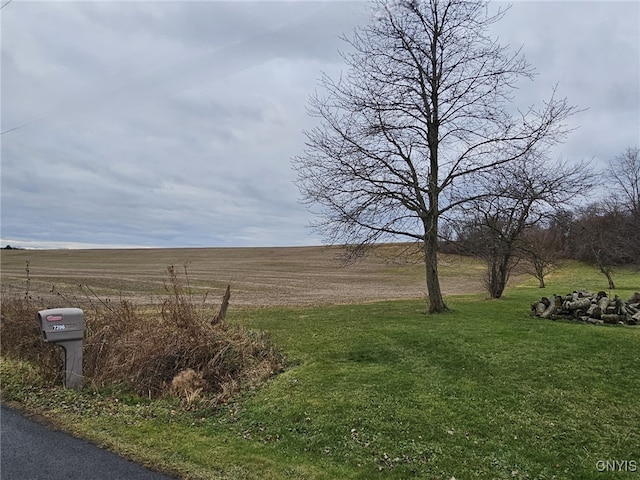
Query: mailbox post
[65, 327]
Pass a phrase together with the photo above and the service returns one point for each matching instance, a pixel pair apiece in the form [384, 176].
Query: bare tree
[607, 237]
[525, 194]
[561, 226]
[625, 170]
[606, 233]
[423, 110]
[542, 249]
[488, 235]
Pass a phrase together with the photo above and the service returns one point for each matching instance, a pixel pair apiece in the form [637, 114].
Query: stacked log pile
[589, 308]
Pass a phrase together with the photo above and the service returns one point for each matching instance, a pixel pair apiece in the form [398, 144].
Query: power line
[22, 125]
[5, 4]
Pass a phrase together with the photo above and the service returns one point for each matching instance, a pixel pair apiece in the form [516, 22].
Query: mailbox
[61, 324]
[65, 327]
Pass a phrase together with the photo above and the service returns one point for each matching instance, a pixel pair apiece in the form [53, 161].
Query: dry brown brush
[182, 347]
[20, 335]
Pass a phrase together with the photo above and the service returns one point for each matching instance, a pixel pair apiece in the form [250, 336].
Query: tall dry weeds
[20, 335]
[148, 350]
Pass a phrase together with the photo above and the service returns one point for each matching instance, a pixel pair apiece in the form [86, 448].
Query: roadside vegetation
[181, 346]
[382, 390]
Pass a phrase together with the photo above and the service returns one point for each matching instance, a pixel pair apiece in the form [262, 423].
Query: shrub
[181, 347]
[20, 335]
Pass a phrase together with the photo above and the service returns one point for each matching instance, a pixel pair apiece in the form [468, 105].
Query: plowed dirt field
[258, 276]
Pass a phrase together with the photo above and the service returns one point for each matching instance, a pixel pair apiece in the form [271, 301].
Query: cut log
[603, 303]
[580, 303]
[550, 310]
[539, 308]
[612, 318]
[579, 313]
[635, 298]
[619, 306]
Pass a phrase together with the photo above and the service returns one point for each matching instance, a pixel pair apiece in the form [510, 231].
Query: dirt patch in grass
[293, 276]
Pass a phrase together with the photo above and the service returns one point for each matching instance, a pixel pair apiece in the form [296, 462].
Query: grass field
[381, 390]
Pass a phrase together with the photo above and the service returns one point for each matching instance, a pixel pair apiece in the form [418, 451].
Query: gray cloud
[173, 123]
[590, 50]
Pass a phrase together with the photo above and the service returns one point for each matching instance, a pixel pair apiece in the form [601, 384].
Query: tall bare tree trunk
[498, 272]
[607, 273]
[436, 301]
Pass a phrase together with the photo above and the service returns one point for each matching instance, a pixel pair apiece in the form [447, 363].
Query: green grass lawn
[384, 391]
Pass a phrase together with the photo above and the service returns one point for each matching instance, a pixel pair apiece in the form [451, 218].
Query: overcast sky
[173, 124]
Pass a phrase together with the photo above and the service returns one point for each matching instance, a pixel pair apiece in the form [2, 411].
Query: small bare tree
[607, 237]
[542, 249]
[424, 110]
[526, 193]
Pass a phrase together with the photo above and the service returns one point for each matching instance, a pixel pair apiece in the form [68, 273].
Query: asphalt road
[32, 451]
